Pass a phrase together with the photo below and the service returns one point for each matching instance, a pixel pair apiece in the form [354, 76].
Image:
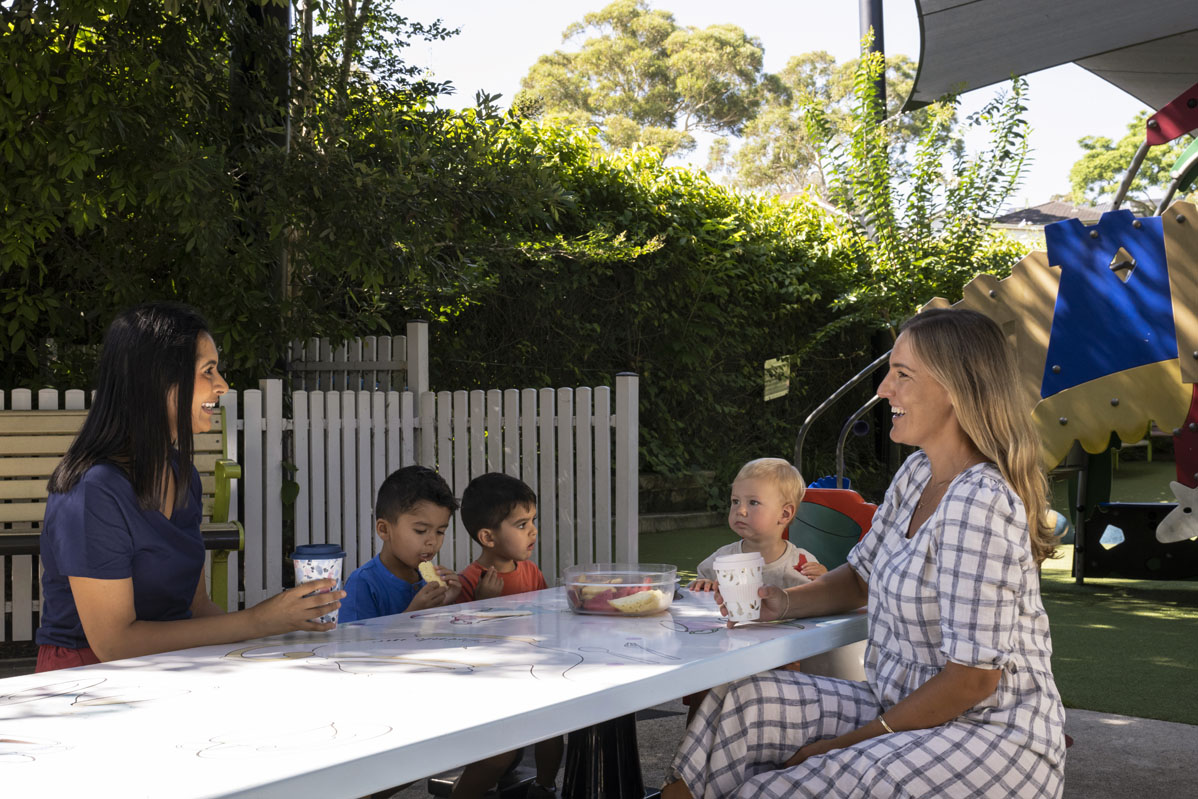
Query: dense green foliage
[146, 155]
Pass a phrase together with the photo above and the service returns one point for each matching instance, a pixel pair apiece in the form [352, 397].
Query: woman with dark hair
[959, 698]
[121, 550]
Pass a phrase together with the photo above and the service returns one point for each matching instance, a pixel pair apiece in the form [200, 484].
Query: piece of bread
[649, 601]
[429, 572]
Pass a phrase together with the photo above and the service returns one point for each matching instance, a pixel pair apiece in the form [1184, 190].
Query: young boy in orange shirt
[499, 512]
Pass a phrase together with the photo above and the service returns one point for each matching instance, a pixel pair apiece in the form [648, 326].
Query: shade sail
[1148, 48]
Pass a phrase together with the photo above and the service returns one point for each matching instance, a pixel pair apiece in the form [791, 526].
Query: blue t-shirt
[373, 591]
[98, 530]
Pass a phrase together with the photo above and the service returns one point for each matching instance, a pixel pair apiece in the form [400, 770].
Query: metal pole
[871, 20]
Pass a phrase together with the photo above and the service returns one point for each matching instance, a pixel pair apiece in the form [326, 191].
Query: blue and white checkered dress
[964, 588]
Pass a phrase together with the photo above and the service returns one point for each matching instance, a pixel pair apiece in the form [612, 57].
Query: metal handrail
[844, 434]
[840, 392]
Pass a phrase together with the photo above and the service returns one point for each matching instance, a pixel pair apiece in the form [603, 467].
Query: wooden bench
[33, 442]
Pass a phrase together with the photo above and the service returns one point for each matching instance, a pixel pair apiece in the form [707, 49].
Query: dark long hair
[147, 351]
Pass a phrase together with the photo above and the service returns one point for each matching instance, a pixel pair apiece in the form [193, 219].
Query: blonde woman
[959, 698]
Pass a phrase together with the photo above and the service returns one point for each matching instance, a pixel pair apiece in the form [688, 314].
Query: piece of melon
[641, 602]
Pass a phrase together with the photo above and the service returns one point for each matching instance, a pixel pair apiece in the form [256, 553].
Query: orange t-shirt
[525, 577]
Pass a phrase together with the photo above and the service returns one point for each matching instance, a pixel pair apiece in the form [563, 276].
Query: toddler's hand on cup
[702, 585]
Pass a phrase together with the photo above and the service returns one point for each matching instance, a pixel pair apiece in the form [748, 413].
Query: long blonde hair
[967, 353]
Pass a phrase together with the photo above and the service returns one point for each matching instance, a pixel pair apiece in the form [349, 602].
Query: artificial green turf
[1124, 646]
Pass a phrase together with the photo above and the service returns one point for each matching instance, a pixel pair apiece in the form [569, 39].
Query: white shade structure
[1148, 48]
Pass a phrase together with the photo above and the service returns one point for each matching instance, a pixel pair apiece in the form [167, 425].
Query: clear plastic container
[620, 589]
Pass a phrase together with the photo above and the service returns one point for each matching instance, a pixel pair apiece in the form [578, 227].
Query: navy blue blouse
[97, 529]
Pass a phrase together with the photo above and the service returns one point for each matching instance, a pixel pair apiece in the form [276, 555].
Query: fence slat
[273, 499]
[299, 457]
[583, 478]
[368, 364]
[394, 453]
[528, 439]
[603, 467]
[332, 502]
[458, 555]
[317, 436]
[494, 430]
[511, 432]
[378, 468]
[428, 427]
[565, 479]
[407, 422]
[229, 401]
[627, 419]
[349, 489]
[365, 477]
[22, 565]
[478, 452]
[252, 483]
[444, 462]
[547, 505]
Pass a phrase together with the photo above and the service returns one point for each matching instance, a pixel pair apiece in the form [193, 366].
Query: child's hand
[431, 596]
[453, 585]
[702, 585]
[812, 569]
[490, 585]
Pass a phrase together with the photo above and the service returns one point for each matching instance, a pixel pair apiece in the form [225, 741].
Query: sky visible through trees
[496, 48]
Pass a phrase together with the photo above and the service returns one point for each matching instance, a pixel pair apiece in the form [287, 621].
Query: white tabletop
[371, 704]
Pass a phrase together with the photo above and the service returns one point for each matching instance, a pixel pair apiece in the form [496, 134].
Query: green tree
[644, 80]
[1096, 176]
[920, 232]
[777, 154]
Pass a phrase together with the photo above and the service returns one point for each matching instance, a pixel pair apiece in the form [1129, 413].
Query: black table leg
[602, 762]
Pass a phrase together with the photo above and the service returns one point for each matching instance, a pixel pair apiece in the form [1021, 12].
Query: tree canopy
[642, 79]
[1097, 174]
[776, 153]
[145, 156]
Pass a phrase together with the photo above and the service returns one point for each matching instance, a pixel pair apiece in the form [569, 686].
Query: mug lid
[317, 552]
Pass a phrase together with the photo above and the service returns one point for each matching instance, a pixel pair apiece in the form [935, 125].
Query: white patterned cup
[739, 577]
[315, 561]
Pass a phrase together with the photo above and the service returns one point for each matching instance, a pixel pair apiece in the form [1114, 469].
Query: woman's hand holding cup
[773, 603]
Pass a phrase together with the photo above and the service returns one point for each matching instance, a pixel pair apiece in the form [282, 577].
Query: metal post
[871, 20]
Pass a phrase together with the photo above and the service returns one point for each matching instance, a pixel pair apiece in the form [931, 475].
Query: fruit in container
[620, 589]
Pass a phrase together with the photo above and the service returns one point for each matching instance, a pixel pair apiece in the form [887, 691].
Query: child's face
[757, 512]
[516, 536]
[416, 535]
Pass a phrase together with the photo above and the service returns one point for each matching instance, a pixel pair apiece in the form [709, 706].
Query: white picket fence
[383, 363]
[577, 448]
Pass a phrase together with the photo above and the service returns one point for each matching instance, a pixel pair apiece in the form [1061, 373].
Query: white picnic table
[372, 704]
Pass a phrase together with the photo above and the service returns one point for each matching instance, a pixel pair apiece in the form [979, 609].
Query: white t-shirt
[782, 572]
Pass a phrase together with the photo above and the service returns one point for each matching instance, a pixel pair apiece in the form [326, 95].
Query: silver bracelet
[786, 609]
[885, 726]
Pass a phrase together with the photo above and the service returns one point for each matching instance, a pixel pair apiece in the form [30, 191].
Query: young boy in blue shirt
[412, 512]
